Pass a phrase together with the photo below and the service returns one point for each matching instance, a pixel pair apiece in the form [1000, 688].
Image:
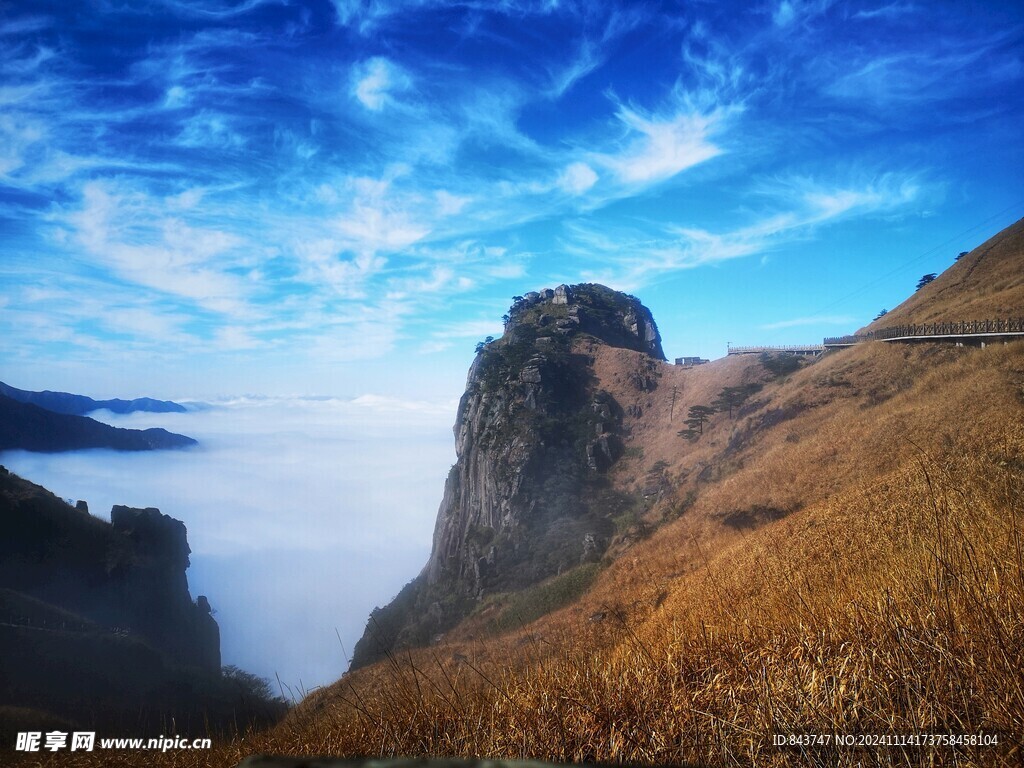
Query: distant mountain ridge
[79, 405]
[29, 427]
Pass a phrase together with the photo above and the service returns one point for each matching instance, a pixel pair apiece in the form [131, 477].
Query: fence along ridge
[960, 328]
[785, 348]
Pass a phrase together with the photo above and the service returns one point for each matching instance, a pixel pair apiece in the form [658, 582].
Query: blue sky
[212, 197]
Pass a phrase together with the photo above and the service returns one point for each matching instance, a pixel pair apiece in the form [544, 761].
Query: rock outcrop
[98, 630]
[534, 432]
[127, 576]
[156, 596]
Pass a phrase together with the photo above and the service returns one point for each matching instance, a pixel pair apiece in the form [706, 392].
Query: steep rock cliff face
[154, 591]
[126, 576]
[534, 434]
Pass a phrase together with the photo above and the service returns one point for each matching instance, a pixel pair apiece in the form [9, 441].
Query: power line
[918, 258]
[907, 264]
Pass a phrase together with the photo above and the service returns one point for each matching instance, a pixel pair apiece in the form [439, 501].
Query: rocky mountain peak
[534, 434]
[617, 319]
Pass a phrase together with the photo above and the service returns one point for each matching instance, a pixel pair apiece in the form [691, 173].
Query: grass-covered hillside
[984, 284]
[841, 554]
[888, 597]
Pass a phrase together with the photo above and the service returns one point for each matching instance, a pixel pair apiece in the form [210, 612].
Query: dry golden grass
[889, 601]
[910, 619]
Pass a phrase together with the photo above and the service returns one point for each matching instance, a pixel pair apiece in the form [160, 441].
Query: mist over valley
[302, 513]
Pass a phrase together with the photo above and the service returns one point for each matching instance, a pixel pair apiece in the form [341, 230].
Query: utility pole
[672, 409]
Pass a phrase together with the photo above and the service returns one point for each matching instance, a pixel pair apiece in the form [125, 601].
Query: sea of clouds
[303, 514]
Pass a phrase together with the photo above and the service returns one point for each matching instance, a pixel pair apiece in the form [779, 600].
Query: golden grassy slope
[882, 606]
[984, 285]
[890, 600]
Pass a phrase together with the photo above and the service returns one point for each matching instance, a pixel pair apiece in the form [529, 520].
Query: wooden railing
[837, 341]
[805, 348]
[921, 330]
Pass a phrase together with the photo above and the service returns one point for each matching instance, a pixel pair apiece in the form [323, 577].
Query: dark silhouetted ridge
[32, 428]
[79, 405]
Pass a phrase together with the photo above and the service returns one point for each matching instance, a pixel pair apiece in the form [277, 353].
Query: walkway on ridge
[962, 332]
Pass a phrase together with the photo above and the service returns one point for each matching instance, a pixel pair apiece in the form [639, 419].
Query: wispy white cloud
[586, 61]
[488, 116]
[210, 130]
[438, 278]
[783, 14]
[816, 320]
[891, 79]
[789, 12]
[476, 261]
[216, 9]
[26, 24]
[368, 16]
[234, 338]
[365, 220]
[889, 10]
[187, 200]
[379, 217]
[577, 178]
[26, 61]
[508, 270]
[322, 262]
[385, 404]
[83, 312]
[468, 329]
[128, 232]
[593, 49]
[662, 145]
[365, 15]
[177, 97]
[165, 327]
[449, 204]
[635, 256]
[965, 62]
[367, 332]
[18, 136]
[715, 67]
[374, 80]
[433, 347]
[818, 202]
[19, 95]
